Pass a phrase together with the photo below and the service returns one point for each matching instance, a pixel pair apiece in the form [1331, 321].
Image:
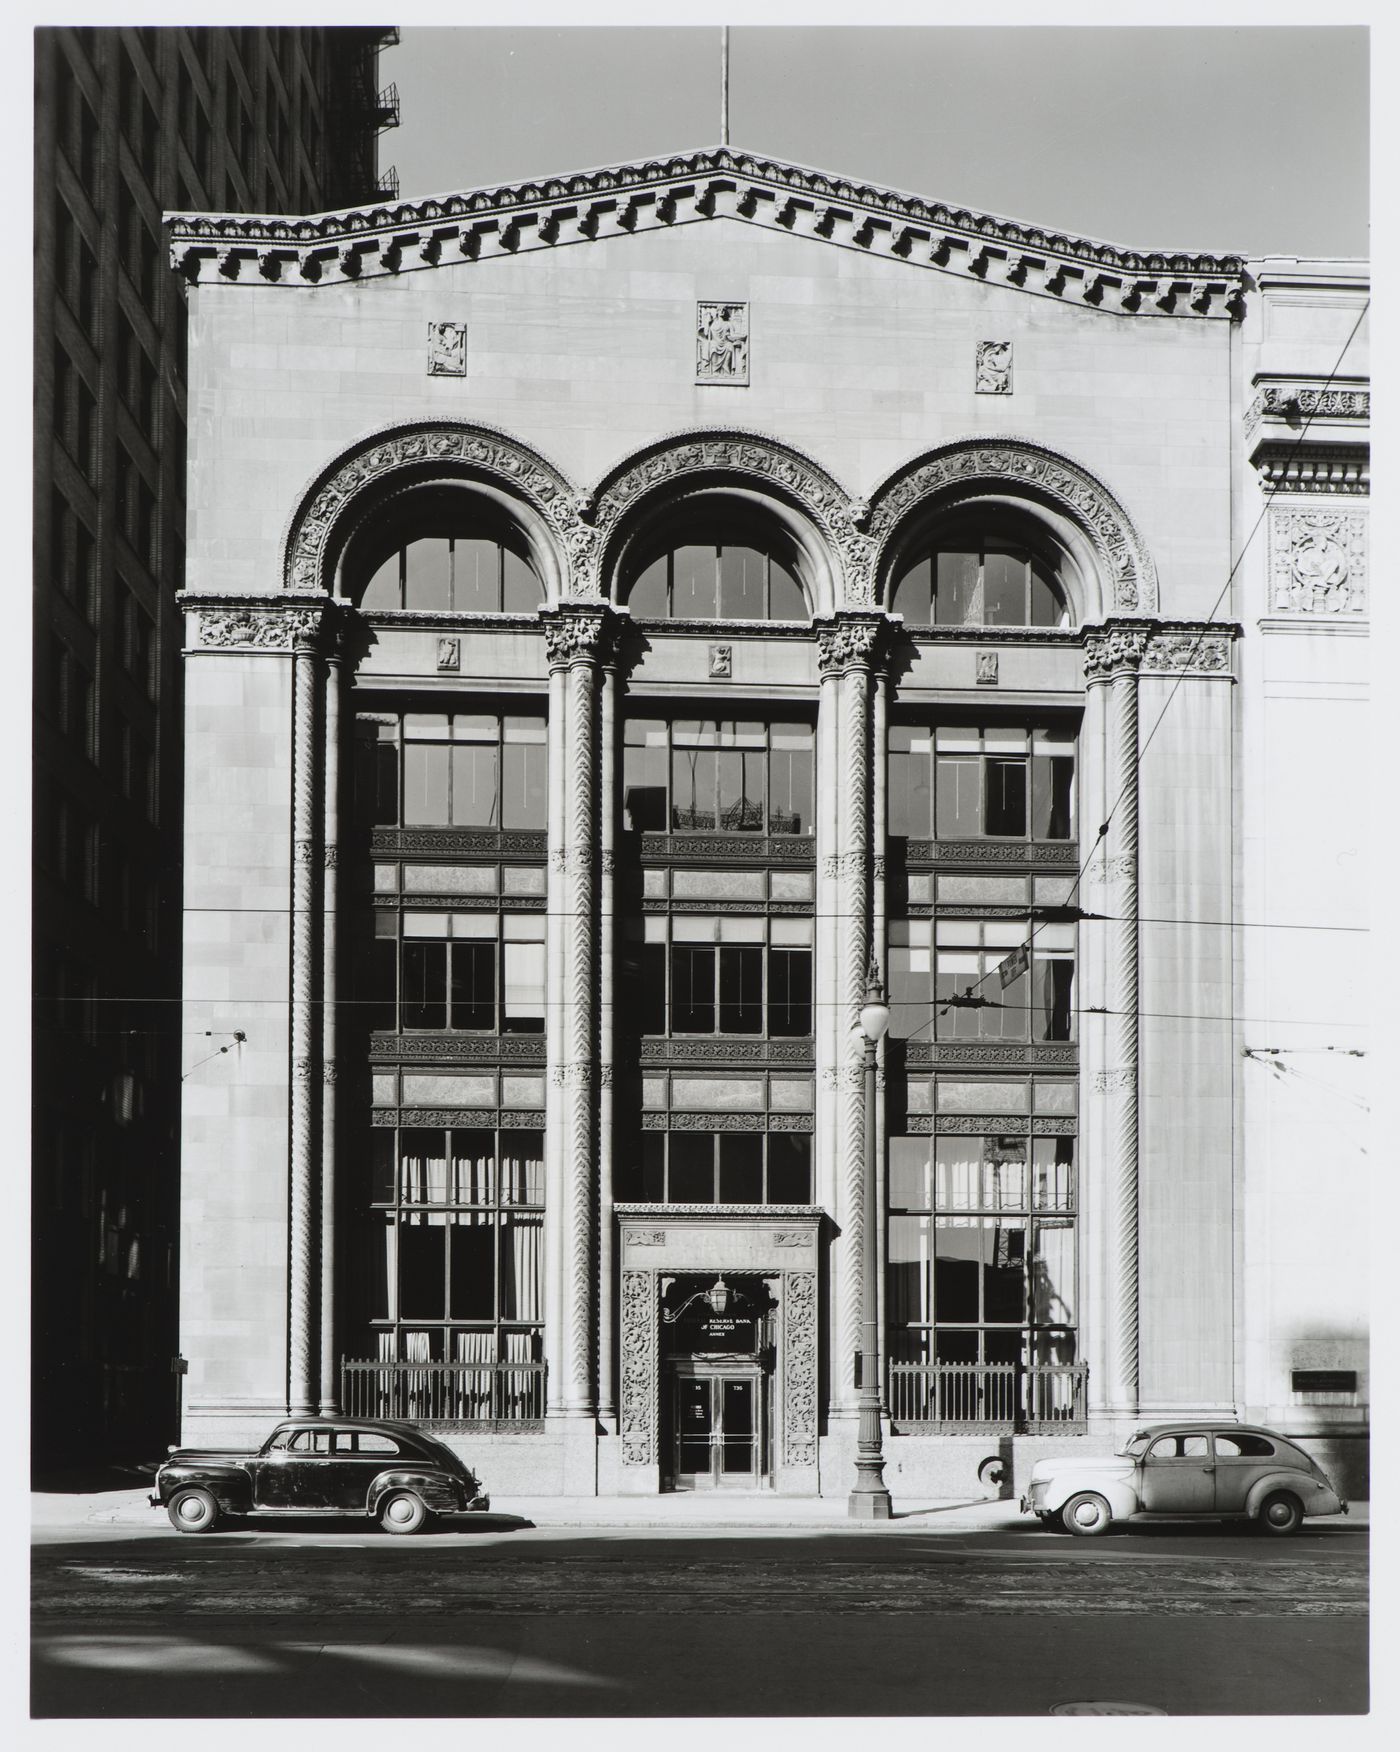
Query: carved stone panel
[800, 1368]
[1318, 563]
[447, 349]
[721, 343]
[639, 1368]
[993, 368]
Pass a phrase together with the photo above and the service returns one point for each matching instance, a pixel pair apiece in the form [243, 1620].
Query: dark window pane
[1052, 792]
[741, 584]
[476, 580]
[694, 583]
[476, 784]
[791, 779]
[1047, 602]
[424, 998]
[956, 1347]
[959, 796]
[425, 768]
[1006, 797]
[382, 1160]
[427, 572]
[785, 598]
[382, 591]
[691, 1179]
[740, 779]
[1053, 1002]
[651, 1168]
[789, 1168]
[521, 590]
[473, 1287]
[910, 1188]
[644, 788]
[692, 991]
[911, 595]
[421, 1270]
[741, 1168]
[741, 989]
[693, 778]
[523, 800]
[1005, 1273]
[647, 597]
[957, 591]
[910, 791]
[473, 985]
[376, 982]
[1004, 590]
[957, 1269]
[789, 991]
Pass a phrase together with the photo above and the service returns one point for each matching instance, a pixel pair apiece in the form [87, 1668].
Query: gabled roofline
[716, 182]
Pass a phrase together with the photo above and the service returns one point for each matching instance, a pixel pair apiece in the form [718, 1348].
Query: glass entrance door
[718, 1433]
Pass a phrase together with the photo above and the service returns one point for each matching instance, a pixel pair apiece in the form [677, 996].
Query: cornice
[1288, 466]
[1298, 401]
[713, 183]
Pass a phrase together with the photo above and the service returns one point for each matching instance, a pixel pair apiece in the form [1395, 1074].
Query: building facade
[621, 611]
[127, 123]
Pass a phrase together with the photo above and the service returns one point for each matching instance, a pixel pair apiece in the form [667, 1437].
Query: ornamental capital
[577, 635]
[850, 642]
[1114, 650]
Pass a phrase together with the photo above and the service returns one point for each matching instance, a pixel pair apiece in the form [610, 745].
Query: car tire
[1281, 1514]
[402, 1512]
[1086, 1515]
[193, 1511]
[991, 1474]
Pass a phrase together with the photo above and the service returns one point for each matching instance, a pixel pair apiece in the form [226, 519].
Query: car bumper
[481, 1502]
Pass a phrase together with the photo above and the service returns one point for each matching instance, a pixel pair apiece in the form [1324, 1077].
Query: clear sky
[1216, 138]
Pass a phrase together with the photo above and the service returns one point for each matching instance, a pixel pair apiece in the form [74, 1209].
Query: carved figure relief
[1319, 563]
[993, 368]
[987, 674]
[447, 349]
[721, 343]
[449, 653]
[721, 662]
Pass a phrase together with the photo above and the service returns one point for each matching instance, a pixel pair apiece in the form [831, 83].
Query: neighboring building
[129, 122]
[620, 605]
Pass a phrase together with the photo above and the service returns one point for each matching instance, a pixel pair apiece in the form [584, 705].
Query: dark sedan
[391, 1472]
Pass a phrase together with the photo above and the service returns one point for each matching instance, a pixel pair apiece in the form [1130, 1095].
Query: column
[1113, 657]
[607, 1027]
[848, 649]
[330, 844]
[576, 642]
[303, 1346]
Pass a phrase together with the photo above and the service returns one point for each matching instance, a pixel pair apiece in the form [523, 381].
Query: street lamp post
[869, 1499]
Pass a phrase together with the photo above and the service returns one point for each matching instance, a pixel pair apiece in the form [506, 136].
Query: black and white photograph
[704, 817]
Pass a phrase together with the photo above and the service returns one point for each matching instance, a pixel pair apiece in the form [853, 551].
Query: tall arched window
[444, 549]
[709, 577]
[971, 578]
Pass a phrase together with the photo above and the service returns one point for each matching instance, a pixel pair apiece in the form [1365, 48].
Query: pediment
[718, 184]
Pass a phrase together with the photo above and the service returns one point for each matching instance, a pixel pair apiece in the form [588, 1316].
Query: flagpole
[724, 85]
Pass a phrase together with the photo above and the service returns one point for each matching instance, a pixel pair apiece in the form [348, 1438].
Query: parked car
[391, 1472]
[1184, 1471]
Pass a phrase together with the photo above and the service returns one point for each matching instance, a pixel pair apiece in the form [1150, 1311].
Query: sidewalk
[53, 1511]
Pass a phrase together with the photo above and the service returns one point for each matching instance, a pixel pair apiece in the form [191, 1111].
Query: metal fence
[988, 1398]
[510, 1394]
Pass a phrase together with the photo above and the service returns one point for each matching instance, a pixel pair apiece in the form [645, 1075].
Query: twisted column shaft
[302, 1338]
[330, 1372]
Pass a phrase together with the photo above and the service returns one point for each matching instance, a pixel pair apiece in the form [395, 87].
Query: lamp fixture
[717, 1296]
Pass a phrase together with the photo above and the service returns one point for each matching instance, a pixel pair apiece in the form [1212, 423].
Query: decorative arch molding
[390, 462]
[754, 463]
[1018, 469]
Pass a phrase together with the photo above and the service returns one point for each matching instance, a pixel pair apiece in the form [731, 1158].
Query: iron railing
[508, 1394]
[988, 1398]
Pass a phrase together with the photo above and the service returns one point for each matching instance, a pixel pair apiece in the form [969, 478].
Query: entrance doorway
[719, 1434]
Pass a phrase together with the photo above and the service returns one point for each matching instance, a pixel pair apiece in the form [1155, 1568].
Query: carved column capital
[851, 641]
[1114, 649]
[578, 635]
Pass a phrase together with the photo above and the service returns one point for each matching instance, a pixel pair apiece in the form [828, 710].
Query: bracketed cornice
[694, 187]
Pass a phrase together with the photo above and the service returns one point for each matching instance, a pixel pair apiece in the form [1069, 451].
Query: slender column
[879, 942]
[330, 1372]
[575, 639]
[607, 1030]
[556, 923]
[828, 943]
[1114, 657]
[302, 1338]
[849, 647]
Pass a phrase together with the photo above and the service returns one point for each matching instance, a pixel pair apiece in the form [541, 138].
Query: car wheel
[1086, 1515]
[1281, 1513]
[402, 1512]
[193, 1511]
[991, 1474]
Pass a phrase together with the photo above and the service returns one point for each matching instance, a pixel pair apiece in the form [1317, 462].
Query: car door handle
[1207, 1468]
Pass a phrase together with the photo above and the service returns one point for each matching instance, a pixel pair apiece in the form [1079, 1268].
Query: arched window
[715, 579]
[970, 579]
[444, 550]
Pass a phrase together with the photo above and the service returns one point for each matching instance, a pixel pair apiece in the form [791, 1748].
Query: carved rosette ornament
[1318, 563]
[1028, 470]
[464, 450]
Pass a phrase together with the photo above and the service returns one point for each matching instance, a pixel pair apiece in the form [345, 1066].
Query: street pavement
[687, 1607]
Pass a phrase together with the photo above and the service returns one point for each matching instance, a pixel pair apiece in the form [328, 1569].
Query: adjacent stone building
[621, 608]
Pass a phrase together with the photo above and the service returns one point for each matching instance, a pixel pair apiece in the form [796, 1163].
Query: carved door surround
[780, 1243]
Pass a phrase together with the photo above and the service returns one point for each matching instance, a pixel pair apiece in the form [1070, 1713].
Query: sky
[1240, 138]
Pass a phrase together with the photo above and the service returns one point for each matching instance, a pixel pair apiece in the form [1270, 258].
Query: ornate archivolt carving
[471, 450]
[1031, 470]
[744, 457]
[1318, 562]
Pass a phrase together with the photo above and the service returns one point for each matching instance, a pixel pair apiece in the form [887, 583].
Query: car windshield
[1135, 1445]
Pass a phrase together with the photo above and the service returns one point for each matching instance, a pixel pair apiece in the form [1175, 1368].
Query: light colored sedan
[1184, 1471]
